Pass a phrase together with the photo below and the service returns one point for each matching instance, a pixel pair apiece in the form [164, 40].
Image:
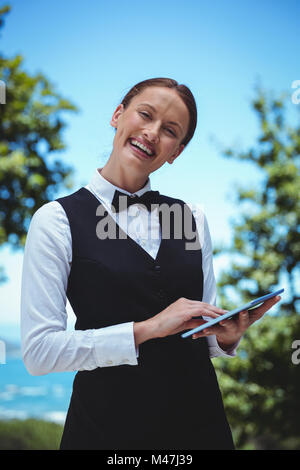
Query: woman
[139, 384]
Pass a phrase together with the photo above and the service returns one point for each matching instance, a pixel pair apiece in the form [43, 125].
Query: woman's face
[157, 119]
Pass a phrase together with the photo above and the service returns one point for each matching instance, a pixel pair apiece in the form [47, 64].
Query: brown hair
[183, 91]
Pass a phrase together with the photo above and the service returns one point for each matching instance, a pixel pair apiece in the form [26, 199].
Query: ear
[176, 154]
[115, 117]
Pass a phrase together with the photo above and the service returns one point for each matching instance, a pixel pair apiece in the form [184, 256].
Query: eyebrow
[154, 109]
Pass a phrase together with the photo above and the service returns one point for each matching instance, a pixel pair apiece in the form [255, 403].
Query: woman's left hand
[229, 332]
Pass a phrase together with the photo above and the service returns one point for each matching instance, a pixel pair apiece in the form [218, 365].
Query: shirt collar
[106, 190]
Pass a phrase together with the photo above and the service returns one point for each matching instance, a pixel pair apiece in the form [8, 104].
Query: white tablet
[249, 306]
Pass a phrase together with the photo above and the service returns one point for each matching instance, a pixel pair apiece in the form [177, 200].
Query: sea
[25, 396]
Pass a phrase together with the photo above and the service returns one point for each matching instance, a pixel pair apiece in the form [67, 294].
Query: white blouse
[47, 344]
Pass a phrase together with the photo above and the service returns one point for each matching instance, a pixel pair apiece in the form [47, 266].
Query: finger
[203, 312]
[203, 333]
[243, 320]
[257, 313]
[217, 310]
[227, 325]
[212, 330]
[208, 307]
[190, 324]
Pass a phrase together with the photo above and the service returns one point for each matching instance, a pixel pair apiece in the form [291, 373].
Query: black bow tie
[148, 198]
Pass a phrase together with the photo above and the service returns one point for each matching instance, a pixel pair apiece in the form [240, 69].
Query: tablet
[249, 306]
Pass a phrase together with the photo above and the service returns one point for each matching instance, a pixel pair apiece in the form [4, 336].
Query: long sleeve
[47, 345]
[209, 282]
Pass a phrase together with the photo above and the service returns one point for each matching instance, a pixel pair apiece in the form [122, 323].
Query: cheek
[128, 127]
[133, 122]
[169, 147]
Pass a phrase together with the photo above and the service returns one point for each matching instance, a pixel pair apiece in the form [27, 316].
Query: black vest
[171, 399]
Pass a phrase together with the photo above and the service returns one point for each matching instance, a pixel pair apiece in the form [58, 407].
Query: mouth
[141, 149]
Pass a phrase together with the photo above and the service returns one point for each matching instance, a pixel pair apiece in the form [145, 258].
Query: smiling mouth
[141, 149]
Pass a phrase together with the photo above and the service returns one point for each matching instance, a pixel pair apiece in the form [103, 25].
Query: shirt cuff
[114, 345]
[215, 350]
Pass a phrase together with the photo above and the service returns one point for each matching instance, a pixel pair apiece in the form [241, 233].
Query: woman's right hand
[175, 318]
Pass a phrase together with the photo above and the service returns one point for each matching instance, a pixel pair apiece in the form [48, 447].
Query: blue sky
[94, 51]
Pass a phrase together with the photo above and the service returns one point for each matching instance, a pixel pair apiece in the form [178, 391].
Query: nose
[152, 134]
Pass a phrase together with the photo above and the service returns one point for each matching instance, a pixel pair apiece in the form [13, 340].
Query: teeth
[138, 144]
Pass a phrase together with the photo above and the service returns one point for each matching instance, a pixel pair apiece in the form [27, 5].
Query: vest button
[157, 268]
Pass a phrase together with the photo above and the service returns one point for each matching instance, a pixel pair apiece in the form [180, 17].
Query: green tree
[261, 386]
[31, 126]
[29, 434]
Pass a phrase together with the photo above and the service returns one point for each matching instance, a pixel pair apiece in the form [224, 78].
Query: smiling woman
[139, 384]
[154, 122]
[182, 91]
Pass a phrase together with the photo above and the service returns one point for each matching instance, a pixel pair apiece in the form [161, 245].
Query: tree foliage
[30, 434]
[261, 385]
[31, 125]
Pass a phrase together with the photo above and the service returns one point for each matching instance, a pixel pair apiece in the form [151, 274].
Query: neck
[124, 179]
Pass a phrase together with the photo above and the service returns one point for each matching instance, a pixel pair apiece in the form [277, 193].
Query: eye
[146, 115]
[171, 132]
